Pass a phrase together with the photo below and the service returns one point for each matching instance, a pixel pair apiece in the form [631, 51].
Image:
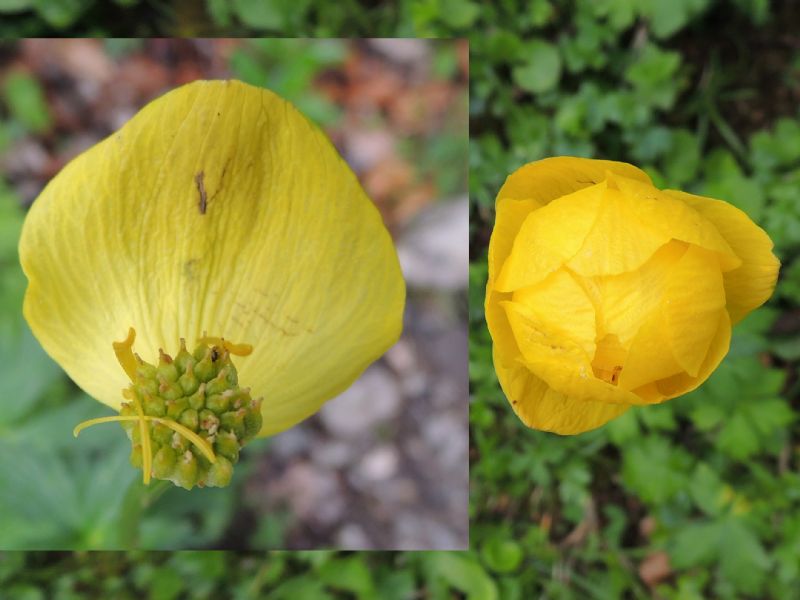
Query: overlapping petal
[606, 292]
[539, 406]
[551, 178]
[218, 208]
[750, 285]
[549, 237]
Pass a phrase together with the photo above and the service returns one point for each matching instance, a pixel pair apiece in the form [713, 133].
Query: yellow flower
[605, 292]
[218, 213]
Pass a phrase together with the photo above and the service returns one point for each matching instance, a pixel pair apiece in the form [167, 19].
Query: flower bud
[219, 475]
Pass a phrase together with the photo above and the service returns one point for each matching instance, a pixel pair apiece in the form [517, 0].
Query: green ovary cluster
[201, 392]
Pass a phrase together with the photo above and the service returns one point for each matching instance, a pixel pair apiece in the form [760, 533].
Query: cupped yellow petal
[561, 362]
[619, 241]
[693, 299]
[671, 217]
[749, 286]
[683, 383]
[218, 208]
[545, 180]
[549, 237]
[626, 300]
[541, 407]
[559, 302]
[649, 356]
[510, 214]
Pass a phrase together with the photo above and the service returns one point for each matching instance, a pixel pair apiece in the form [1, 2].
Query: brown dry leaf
[84, 60]
[655, 568]
[141, 79]
[388, 179]
[647, 526]
[418, 110]
[417, 198]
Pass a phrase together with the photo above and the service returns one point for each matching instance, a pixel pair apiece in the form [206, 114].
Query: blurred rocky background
[384, 465]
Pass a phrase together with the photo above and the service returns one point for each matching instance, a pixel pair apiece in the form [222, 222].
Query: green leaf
[667, 17]
[542, 69]
[26, 372]
[708, 490]
[62, 13]
[166, 584]
[743, 560]
[220, 11]
[737, 437]
[26, 102]
[653, 76]
[623, 428]
[682, 161]
[654, 469]
[9, 6]
[261, 14]
[464, 574]
[707, 416]
[349, 575]
[619, 13]
[502, 555]
[695, 545]
[459, 14]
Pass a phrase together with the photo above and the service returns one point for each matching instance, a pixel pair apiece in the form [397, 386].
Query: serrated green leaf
[502, 555]
[737, 438]
[743, 560]
[654, 469]
[25, 100]
[464, 574]
[695, 545]
[10, 6]
[542, 69]
[459, 14]
[349, 575]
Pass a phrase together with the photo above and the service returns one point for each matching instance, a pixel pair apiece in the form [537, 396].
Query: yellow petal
[749, 286]
[504, 344]
[625, 301]
[510, 214]
[560, 303]
[540, 407]
[649, 356]
[218, 208]
[682, 383]
[545, 180]
[559, 361]
[549, 237]
[664, 213]
[693, 299]
[618, 241]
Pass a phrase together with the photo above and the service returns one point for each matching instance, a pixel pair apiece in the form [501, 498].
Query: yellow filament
[147, 450]
[190, 435]
[124, 352]
[235, 349]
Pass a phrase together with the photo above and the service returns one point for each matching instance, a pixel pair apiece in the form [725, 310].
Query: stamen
[124, 353]
[190, 435]
[235, 349]
[179, 393]
[147, 450]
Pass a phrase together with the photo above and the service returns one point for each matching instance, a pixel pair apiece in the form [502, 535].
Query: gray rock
[373, 399]
[353, 537]
[379, 465]
[434, 251]
[403, 51]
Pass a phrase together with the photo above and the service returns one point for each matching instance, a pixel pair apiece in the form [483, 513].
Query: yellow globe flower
[218, 214]
[605, 292]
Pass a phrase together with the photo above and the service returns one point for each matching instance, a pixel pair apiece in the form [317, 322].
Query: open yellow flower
[218, 214]
[605, 292]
